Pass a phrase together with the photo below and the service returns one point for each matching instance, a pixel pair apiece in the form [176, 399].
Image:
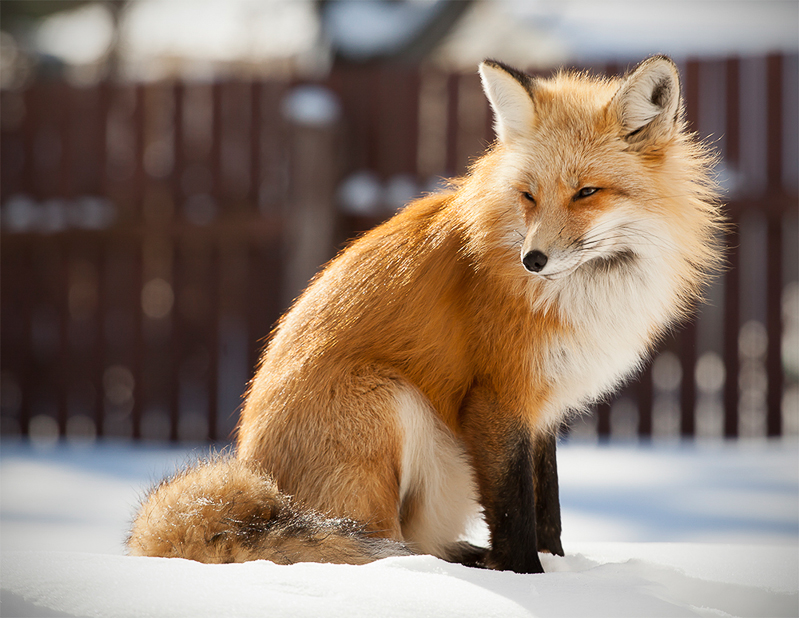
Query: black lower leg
[511, 516]
[547, 498]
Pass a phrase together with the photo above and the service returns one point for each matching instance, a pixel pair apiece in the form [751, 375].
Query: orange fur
[427, 335]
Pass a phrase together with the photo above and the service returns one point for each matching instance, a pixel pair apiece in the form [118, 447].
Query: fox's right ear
[510, 93]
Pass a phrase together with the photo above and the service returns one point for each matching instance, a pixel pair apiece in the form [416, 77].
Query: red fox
[420, 379]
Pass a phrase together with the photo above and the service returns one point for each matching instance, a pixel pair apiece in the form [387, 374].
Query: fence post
[312, 113]
[775, 236]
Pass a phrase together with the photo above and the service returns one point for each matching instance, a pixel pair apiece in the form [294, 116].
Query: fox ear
[648, 102]
[510, 93]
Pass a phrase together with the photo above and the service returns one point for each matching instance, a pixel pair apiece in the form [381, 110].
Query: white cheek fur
[614, 313]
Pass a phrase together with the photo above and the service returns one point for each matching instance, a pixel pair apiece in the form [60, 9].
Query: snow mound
[655, 530]
[593, 580]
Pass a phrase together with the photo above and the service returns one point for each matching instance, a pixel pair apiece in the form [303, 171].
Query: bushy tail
[224, 510]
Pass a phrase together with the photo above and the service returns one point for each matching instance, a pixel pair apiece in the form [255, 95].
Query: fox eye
[585, 192]
[528, 196]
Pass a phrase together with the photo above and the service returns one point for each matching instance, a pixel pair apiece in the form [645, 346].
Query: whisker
[634, 240]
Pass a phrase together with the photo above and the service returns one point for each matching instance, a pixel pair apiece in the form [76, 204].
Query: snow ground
[659, 530]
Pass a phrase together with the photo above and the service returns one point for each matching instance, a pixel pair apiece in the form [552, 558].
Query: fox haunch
[421, 377]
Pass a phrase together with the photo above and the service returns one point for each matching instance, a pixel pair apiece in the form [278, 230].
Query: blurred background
[173, 173]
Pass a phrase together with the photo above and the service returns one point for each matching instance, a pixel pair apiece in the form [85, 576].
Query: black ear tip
[520, 76]
[496, 64]
[658, 58]
[663, 57]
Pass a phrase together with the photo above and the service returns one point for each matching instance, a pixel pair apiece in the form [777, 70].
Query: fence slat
[603, 425]
[645, 394]
[732, 326]
[774, 326]
[452, 124]
[688, 383]
[774, 124]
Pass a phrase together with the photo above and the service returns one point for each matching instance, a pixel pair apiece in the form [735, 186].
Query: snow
[80, 36]
[682, 28]
[681, 529]
[312, 106]
[364, 29]
[598, 580]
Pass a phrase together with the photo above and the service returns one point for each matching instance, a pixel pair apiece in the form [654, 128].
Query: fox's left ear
[647, 104]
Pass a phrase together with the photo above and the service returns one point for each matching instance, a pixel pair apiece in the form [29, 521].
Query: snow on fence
[153, 233]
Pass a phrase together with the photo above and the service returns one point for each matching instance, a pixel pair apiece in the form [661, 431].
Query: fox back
[423, 374]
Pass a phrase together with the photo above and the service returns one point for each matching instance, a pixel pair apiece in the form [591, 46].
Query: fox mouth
[612, 262]
[557, 275]
[603, 264]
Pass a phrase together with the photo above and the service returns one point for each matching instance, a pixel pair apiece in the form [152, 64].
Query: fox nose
[534, 261]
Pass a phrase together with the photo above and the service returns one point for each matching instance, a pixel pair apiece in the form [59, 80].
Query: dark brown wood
[603, 419]
[691, 89]
[100, 346]
[732, 283]
[213, 342]
[732, 327]
[139, 175]
[28, 381]
[688, 382]
[452, 125]
[774, 369]
[138, 192]
[256, 161]
[774, 124]
[645, 393]
[178, 330]
[398, 120]
[138, 341]
[733, 111]
[774, 233]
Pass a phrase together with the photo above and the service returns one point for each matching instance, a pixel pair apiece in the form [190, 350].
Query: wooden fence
[152, 234]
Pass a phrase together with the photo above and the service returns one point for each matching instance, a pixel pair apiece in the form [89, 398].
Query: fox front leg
[503, 453]
[511, 512]
[547, 498]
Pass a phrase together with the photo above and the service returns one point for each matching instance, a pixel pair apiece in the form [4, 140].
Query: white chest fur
[614, 316]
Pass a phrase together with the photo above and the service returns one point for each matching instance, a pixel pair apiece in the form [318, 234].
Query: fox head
[590, 165]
